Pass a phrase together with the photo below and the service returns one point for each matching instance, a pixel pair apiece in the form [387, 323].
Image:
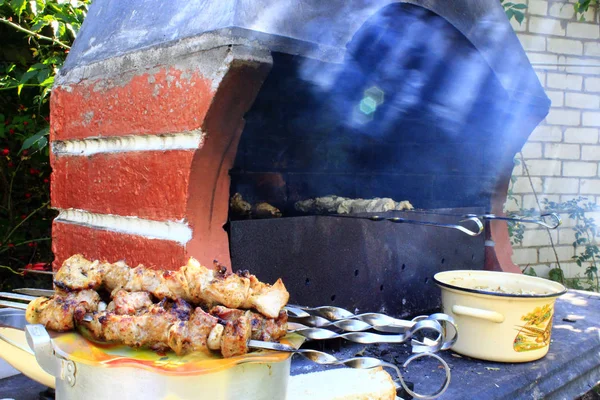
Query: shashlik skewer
[132, 319]
[193, 283]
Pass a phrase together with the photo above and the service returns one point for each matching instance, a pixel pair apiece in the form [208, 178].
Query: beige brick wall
[563, 153]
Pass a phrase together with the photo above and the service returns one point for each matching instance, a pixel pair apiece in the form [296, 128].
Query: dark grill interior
[428, 141]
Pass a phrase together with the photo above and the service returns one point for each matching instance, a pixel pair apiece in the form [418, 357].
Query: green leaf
[510, 14]
[48, 82]
[27, 76]
[39, 25]
[520, 17]
[18, 6]
[520, 6]
[30, 141]
[61, 29]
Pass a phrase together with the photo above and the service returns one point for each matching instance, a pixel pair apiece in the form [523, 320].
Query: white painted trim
[179, 232]
[115, 144]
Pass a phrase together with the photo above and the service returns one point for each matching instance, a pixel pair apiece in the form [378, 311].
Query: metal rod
[13, 304]
[35, 271]
[35, 292]
[16, 296]
[399, 220]
[523, 219]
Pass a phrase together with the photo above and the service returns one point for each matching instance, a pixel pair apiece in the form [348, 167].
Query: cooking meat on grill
[175, 326]
[57, 313]
[193, 283]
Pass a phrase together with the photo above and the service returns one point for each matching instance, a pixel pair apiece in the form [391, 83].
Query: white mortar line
[179, 232]
[117, 144]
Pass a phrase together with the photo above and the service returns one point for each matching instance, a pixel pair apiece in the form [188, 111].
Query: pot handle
[492, 316]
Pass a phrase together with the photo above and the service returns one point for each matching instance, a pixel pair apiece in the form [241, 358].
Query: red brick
[208, 201]
[499, 257]
[69, 239]
[167, 101]
[150, 185]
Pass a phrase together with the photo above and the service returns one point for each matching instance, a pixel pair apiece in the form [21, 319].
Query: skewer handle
[370, 362]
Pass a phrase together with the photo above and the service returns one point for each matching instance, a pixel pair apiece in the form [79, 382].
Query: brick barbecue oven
[165, 109]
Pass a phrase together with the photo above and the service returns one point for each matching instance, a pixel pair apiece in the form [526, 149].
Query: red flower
[33, 171]
[5, 152]
[37, 266]
[46, 119]
[11, 131]
[10, 164]
[23, 216]
[31, 244]
[7, 122]
[11, 245]
[46, 180]
[25, 123]
[28, 195]
[25, 152]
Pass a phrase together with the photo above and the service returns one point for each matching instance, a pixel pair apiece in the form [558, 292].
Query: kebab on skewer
[133, 320]
[193, 283]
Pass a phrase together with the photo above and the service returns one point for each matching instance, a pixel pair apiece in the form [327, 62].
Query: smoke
[413, 112]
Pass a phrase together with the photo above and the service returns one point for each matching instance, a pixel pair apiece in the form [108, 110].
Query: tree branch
[36, 35]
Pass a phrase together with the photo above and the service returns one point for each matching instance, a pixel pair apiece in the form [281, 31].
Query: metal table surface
[571, 368]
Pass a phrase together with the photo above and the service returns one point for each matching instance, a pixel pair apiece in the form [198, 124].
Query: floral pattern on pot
[535, 334]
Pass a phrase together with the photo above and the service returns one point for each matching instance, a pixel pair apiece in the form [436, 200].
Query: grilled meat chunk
[58, 312]
[189, 336]
[129, 303]
[266, 329]
[235, 336]
[144, 329]
[77, 273]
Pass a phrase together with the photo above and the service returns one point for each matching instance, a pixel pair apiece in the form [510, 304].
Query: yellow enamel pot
[500, 316]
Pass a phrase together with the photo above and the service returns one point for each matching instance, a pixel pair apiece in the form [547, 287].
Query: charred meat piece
[58, 312]
[235, 336]
[77, 273]
[266, 329]
[129, 303]
[193, 283]
[192, 335]
[147, 329]
[239, 207]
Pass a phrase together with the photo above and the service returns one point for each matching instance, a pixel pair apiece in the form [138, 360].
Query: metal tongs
[400, 220]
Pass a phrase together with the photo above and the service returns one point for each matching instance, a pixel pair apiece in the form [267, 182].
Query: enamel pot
[500, 316]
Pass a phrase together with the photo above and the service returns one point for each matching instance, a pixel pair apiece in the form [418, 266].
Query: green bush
[36, 37]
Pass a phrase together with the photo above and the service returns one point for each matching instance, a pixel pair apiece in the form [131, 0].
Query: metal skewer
[322, 358]
[35, 292]
[13, 304]
[517, 218]
[16, 296]
[343, 319]
[399, 220]
[35, 271]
